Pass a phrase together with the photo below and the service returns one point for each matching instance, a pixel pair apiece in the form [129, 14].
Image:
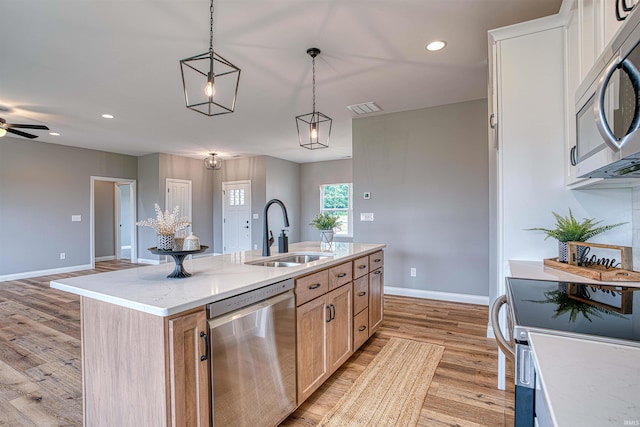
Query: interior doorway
[112, 219]
[236, 216]
[179, 194]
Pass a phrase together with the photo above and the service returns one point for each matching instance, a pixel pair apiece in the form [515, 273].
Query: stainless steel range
[598, 312]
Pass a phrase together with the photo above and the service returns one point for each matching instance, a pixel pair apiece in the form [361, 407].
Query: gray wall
[41, 186]
[270, 178]
[104, 220]
[283, 183]
[153, 170]
[427, 172]
[312, 176]
[201, 192]
[148, 195]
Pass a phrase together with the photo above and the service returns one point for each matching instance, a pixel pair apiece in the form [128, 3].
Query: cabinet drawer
[360, 328]
[311, 286]
[360, 267]
[360, 294]
[340, 275]
[376, 260]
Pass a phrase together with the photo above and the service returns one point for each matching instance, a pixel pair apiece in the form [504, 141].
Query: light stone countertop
[538, 271]
[587, 382]
[213, 278]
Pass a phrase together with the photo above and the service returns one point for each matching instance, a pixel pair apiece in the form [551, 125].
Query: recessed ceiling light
[436, 45]
[54, 134]
[108, 116]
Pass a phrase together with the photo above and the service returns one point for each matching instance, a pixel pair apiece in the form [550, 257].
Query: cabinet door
[589, 48]
[189, 370]
[339, 326]
[376, 299]
[311, 321]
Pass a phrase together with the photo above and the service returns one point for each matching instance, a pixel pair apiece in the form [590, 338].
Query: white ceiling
[65, 62]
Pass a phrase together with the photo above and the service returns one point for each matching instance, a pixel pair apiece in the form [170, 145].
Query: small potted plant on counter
[568, 229]
[326, 223]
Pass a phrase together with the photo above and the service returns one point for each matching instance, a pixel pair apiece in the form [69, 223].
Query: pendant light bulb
[314, 131]
[210, 89]
[3, 132]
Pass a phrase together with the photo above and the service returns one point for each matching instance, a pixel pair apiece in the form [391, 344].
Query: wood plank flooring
[40, 373]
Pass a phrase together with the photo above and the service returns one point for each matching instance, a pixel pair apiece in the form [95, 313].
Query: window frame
[349, 232]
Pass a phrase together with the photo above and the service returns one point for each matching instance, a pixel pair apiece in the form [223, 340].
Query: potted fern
[568, 229]
[326, 223]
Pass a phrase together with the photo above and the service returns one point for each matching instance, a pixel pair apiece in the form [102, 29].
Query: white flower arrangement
[166, 223]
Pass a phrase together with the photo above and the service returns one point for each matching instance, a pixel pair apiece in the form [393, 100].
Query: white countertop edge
[263, 276]
[564, 394]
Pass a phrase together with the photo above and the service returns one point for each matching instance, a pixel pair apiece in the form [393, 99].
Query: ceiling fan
[11, 128]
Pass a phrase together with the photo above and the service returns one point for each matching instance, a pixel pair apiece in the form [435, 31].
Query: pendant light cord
[314, 83]
[211, 27]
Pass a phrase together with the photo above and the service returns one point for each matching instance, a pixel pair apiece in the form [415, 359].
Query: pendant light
[314, 129]
[210, 82]
[212, 163]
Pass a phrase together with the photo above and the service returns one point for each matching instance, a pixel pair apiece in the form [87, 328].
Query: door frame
[224, 185]
[133, 216]
[118, 216]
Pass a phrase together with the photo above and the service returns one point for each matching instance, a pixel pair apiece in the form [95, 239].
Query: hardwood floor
[40, 373]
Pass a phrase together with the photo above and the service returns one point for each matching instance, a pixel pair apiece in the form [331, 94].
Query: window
[336, 199]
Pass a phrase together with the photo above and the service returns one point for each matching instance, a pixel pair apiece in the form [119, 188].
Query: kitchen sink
[291, 260]
[277, 264]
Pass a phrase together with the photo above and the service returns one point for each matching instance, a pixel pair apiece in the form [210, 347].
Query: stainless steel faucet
[267, 235]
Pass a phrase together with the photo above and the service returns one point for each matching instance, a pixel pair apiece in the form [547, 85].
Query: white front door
[179, 194]
[236, 214]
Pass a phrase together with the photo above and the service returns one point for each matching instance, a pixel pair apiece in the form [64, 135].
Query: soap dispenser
[283, 242]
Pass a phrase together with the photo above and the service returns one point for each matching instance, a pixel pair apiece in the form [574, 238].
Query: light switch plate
[76, 218]
[255, 216]
[366, 216]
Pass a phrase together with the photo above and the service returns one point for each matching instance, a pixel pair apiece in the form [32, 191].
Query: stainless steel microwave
[608, 110]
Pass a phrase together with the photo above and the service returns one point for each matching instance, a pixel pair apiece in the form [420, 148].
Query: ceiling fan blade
[13, 125]
[26, 135]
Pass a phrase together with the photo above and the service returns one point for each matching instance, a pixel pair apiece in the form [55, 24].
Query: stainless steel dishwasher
[253, 361]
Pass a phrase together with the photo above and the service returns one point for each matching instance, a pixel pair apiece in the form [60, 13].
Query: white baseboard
[440, 296]
[29, 274]
[105, 258]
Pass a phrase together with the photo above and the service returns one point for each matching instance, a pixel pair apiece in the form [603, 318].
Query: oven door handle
[598, 107]
[505, 346]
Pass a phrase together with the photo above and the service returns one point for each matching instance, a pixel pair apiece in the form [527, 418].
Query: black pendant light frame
[214, 68]
[312, 127]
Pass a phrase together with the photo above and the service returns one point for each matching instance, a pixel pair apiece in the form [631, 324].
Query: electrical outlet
[255, 247]
[76, 218]
[63, 255]
[413, 272]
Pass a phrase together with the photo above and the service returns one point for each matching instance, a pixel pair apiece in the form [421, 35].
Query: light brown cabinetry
[324, 328]
[142, 369]
[189, 370]
[368, 302]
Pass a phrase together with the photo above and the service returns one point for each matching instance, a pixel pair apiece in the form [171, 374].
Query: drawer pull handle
[316, 286]
[362, 267]
[341, 275]
[378, 272]
[362, 328]
[377, 260]
[361, 294]
[205, 356]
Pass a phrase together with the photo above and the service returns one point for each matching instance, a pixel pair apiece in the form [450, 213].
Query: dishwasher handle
[229, 317]
[504, 345]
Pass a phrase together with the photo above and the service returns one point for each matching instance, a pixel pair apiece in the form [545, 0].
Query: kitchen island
[144, 336]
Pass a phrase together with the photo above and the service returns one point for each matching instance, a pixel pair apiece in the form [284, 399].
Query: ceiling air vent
[364, 108]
